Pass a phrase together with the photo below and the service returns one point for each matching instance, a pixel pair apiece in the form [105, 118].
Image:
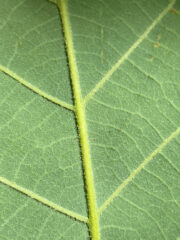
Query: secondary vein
[138, 169]
[43, 200]
[82, 126]
[35, 89]
[130, 50]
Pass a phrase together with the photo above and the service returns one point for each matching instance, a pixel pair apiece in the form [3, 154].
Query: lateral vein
[126, 55]
[81, 122]
[43, 200]
[35, 89]
[138, 170]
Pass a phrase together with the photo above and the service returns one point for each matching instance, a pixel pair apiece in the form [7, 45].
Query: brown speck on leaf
[156, 44]
[174, 11]
[151, 59]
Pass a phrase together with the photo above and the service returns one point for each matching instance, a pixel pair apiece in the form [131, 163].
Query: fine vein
[130, 50]
[138, 170]
[82, 127]
[35, 89]
[43, 200]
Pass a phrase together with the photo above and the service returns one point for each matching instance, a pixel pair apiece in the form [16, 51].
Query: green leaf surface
[90, 120]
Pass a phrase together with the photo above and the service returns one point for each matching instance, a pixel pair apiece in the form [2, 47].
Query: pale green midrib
[81, 122]
[43, 200]
[126, 55]
[138, 170]
[35, 89]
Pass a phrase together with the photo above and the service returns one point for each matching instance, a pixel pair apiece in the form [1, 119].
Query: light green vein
[130, 50]
[35, 89]
[13, 215]
[81, 122]
[147, 213]
[43, 200]
[138, 170]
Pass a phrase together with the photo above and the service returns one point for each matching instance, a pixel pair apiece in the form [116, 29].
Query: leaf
[90, 120]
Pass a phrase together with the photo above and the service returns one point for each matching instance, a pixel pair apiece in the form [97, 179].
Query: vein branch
[130, 50]
[35, 89]
[43, 200]
[138, 170]
[81, 122]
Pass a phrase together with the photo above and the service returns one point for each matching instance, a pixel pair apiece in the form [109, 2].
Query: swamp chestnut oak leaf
[90, 120]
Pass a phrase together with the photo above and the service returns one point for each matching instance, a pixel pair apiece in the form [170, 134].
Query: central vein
[82, 126]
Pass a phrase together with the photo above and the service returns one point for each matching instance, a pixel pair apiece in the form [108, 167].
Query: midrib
[82, 126]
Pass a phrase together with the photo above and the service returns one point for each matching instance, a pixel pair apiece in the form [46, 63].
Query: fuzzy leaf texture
[90, 120]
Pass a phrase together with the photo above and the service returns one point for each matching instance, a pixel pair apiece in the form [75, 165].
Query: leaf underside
[126, 60]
